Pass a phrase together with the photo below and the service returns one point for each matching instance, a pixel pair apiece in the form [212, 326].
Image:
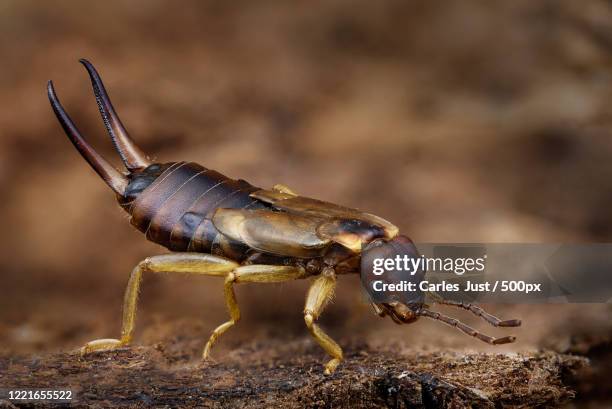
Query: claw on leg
[330, 367]
[214, 336]
[329, 345]
[105, 344]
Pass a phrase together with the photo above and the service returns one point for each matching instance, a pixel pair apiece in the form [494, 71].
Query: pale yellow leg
[256, 273]
[319, 294]
[188, 263]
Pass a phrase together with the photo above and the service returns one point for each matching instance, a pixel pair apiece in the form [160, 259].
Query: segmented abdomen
[176, 209]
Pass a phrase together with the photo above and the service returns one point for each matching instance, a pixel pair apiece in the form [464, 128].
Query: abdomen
[175, 210]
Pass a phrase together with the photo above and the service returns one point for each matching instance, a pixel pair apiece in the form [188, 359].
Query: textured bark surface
[289, 375]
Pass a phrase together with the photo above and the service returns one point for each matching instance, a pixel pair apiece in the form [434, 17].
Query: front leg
[184, 263]
[319, 294]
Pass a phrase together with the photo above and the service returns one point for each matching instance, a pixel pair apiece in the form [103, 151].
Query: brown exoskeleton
[222, 227]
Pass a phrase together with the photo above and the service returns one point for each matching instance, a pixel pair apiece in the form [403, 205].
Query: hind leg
[184, 263]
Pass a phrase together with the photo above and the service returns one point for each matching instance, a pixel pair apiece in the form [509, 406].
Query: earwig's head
[389, 262]
[140, 171]
[405, 306]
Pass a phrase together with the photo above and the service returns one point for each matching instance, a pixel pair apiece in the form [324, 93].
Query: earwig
[217, 226]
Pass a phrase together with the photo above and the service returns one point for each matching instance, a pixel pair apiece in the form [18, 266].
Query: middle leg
[255, 273]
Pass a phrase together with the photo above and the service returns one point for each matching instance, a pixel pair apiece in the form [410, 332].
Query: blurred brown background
[458, 121]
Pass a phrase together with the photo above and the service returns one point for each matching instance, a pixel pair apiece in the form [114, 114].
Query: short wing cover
[349, 227]
[273, 232]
